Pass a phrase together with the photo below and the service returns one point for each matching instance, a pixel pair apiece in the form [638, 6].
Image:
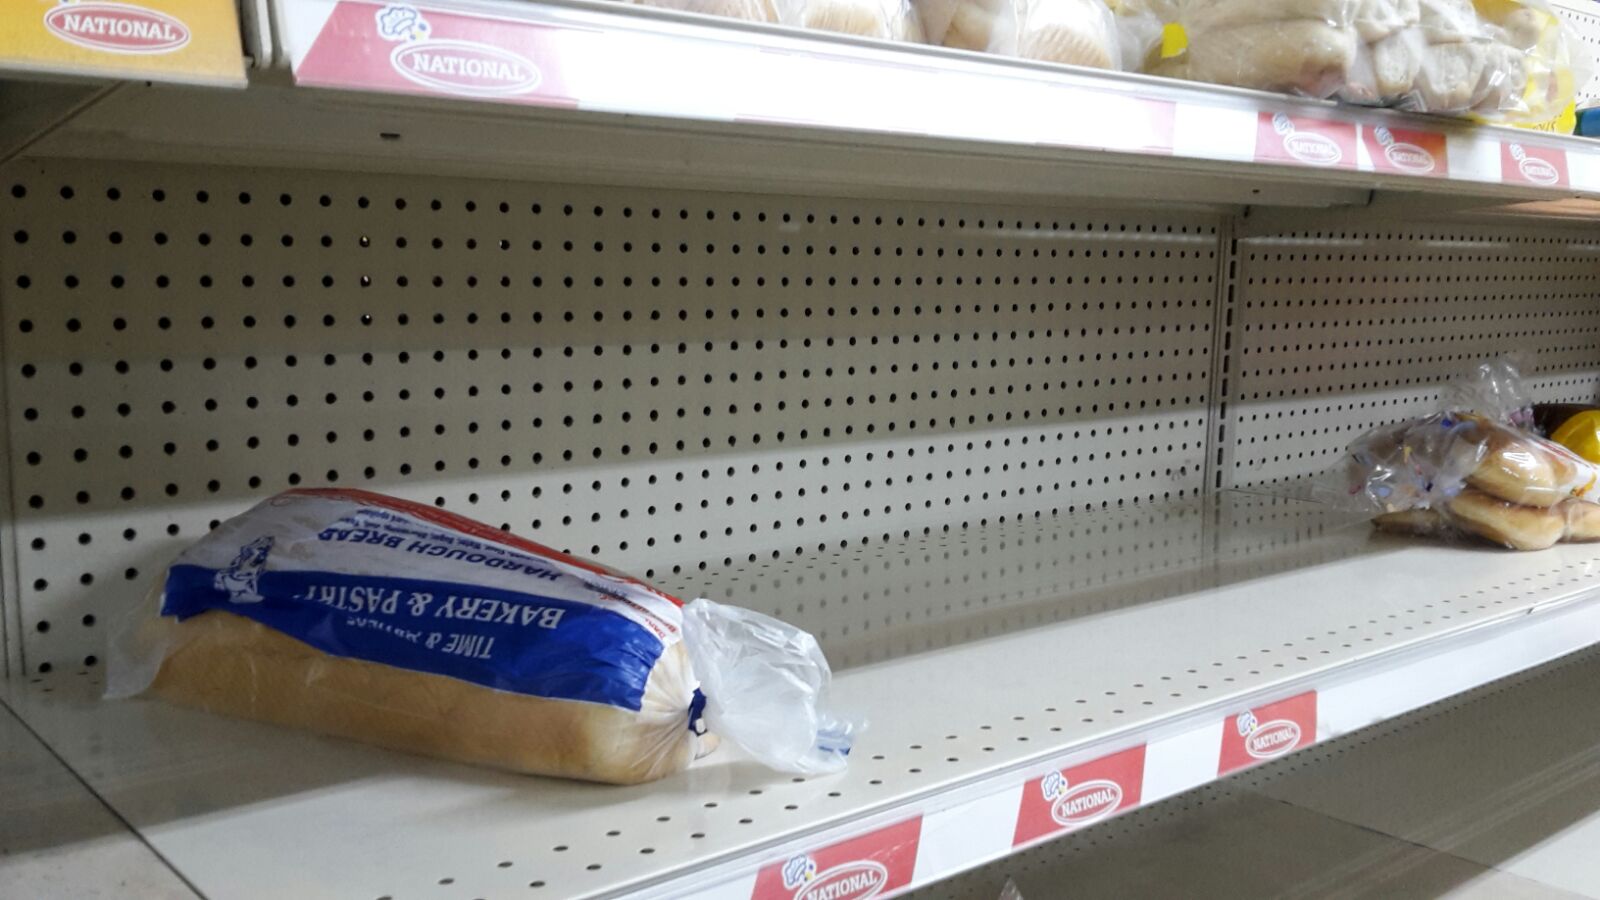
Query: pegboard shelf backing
[661, 379]
[1348, 324]
[972, 447]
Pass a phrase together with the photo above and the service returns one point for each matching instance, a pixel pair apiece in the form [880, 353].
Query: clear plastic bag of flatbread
[1537, 63]
[1303, 47]
[1504, 61]
[1437, 57]
[890, 20]
[1389, 54]
[398, 624]
[1070, 32]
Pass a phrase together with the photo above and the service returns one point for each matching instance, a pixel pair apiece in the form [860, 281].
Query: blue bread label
[590, 644]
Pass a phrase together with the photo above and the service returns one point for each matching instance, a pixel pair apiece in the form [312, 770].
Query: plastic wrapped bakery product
[1072, 32]
[1507, 61]
[747, 10]
[1472, 513]
[363, 616]
[1541, 60]
[1422, 463]
[1305, 47]
[893, 20]
[1460, 473]
[1484, 473]
[963, 24]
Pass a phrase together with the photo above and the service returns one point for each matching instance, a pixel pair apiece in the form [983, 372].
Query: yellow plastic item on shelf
[1581, 435]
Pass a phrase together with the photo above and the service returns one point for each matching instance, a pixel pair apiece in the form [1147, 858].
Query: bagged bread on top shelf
[367, 617]
[1305, 47]
[1508, 61]
[747, 10]
[1472, 469]
[1072, 32]
[891, 20]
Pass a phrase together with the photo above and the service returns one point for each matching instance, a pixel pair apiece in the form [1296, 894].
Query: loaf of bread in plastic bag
[745, 10]
[1528, 470]
[1071, 32]
[890, 20]
[374, 618]
[227, 664]
[369, 617]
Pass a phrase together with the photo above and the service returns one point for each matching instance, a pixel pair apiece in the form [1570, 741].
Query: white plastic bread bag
[373, 618]
[1073, 32]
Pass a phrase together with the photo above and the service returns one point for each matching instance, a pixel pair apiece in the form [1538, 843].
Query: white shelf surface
[999, 654]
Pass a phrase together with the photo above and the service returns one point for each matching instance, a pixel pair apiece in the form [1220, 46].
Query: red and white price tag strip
[548, 56]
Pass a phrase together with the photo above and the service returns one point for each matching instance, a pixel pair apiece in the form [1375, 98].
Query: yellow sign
[159, 40]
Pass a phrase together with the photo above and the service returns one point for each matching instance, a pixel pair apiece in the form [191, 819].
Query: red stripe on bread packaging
[876, 863]
[1529, 164]
[1282, 138]
[1268, 732]
[1403, 151]
[404, 49]
[1082, 795]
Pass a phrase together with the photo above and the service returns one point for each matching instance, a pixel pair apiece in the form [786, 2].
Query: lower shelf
[1022, 679]
[1488, 795]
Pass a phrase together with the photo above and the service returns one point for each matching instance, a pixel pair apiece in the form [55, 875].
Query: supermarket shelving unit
[972, 367]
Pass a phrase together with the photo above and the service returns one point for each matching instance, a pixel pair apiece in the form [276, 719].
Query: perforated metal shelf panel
[664, 380]
[954, 585]
[1585, 19]
[1341, 327]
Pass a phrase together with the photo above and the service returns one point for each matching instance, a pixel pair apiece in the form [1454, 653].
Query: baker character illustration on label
[1267, 740]
[242, 578]
[1080, 804]
[851, 881]
[451, 65]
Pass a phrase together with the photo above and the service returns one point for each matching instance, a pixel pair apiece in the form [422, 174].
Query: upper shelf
[610, 93]
[686, 67]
